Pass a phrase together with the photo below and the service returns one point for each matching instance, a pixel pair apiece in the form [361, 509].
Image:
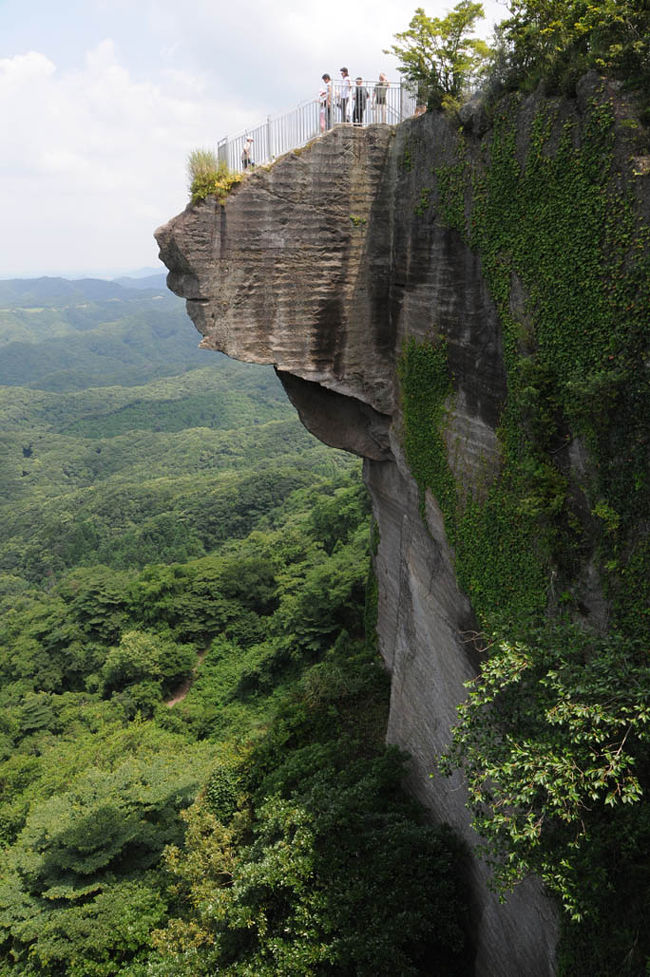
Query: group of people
[350, 100]
[341, 101]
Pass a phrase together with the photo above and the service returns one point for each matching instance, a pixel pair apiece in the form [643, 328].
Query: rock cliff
[325, 265]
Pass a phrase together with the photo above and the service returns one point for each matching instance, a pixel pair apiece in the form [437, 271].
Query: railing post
[222, 151]
[268, 138]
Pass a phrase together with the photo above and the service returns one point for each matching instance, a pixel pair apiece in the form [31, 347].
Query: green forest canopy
[189, 703]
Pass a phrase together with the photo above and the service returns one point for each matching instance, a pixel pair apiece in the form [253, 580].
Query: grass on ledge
[208, 175]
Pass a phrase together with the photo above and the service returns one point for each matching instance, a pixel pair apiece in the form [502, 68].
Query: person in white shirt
[325, 99]
[344, 97]
[246, 154]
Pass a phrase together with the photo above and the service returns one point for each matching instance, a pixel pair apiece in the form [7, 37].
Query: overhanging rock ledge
[322, 266]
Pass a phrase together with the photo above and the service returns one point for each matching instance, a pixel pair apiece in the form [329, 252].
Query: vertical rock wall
[323, 266]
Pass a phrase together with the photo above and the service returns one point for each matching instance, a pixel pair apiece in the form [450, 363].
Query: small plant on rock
[209, 175]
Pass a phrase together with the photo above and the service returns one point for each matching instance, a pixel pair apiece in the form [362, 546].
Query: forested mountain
[68, 335]
[192, 769]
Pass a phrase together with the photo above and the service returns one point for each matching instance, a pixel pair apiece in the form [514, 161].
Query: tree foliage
[550, 739]
[321, 866]
[558, 41]
[181, 556]
[439, 57]
[87, 853]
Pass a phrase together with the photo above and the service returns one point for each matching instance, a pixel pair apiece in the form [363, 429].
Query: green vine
[566, 258]
[425, 202]
[426, 385]
[501, 551]
[562, 226]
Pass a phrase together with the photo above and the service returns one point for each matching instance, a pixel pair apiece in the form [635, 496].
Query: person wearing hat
[246, 160]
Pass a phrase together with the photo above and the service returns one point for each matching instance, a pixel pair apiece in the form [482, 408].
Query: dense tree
[310, 861]
[558, 40]
[91, 847]
[179, 556]
[439, 57]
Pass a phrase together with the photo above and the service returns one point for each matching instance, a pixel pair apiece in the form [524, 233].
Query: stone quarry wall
[325, 265]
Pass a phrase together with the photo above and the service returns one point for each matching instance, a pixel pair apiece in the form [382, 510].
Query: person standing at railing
[344, 93]
[246, 154]
[360, 98]
[325, 99]
[379, 97]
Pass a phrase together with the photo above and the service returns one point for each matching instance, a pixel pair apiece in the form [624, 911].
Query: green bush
[320, 865]
[550, 739]
[208, 175]
[556, 41]
[144, 656]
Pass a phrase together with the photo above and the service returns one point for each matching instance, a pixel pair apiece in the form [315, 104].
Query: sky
[101, 102]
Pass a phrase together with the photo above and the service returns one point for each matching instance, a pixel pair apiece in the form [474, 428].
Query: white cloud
[285, 45]
[101, 119]
[93, 147]
[30, 67]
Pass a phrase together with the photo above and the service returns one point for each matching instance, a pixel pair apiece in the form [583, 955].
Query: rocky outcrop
[322, 266]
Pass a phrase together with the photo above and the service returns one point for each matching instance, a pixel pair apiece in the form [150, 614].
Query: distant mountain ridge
[145, 281]
[60, 334]
[53, 291]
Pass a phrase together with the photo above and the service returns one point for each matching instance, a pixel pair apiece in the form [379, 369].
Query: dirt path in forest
[183, 689]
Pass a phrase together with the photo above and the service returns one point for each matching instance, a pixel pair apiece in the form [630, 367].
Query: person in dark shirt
[360, 96]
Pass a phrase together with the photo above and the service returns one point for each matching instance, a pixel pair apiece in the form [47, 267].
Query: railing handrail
[281, 133]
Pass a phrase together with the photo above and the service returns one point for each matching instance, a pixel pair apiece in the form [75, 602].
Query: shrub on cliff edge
[209, 175]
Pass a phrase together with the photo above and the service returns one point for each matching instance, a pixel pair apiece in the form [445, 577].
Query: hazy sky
[102, 100]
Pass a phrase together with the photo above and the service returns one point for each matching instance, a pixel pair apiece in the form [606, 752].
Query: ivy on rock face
[554, 736]
[493, 550]
[562, 226]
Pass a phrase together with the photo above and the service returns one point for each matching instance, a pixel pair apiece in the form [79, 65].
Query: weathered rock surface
[321, 266]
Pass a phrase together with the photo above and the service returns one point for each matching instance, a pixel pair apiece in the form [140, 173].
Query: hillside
[96, 333]
[188, 672]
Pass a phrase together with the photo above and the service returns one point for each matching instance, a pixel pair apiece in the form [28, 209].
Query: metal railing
[291, 130]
